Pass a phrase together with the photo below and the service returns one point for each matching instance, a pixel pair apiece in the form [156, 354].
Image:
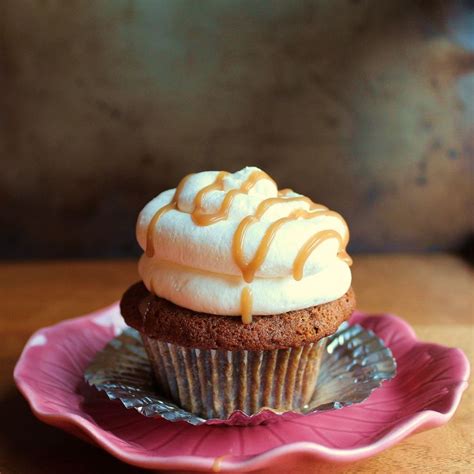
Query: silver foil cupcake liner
[340, 370]
[216, 383]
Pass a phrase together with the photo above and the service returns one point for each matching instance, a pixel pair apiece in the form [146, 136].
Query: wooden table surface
[433, 293]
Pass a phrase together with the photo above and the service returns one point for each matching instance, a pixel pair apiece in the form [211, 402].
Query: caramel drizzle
[203, 219]
[308, 248]
[198, 215]
[246, 303]
[150, 249]
[249, 269]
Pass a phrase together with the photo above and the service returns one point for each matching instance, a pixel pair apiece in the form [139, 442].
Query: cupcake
[241, 285]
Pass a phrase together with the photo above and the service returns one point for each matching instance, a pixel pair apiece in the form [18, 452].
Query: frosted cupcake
[241, 285]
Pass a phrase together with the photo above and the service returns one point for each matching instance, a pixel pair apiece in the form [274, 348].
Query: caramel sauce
[246, 303]
[199, 217]
[249, 269]
[150, 249]
[218, 184]
[203, 219]
[307, 249]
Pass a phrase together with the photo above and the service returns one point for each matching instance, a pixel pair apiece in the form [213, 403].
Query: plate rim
[85, 429]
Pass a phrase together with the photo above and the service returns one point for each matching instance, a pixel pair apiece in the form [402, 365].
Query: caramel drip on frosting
[150, 249]
[307, 249]
[249, 269]
[201, 218]
[246, 303]
[198, 215]
[218, 184]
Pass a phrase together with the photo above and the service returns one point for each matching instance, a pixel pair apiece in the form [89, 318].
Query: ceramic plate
[424, 394]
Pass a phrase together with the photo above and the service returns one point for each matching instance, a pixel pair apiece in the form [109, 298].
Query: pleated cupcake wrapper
[353, 363]
[215, 383]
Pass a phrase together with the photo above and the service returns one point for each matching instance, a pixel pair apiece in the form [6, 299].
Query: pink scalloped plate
[424, 394]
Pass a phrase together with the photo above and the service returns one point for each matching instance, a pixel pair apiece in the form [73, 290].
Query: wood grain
[433, 293]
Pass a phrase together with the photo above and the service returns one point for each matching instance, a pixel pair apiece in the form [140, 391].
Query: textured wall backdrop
[366, 106]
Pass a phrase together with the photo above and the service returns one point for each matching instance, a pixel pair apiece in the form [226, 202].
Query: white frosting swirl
[193, 265]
